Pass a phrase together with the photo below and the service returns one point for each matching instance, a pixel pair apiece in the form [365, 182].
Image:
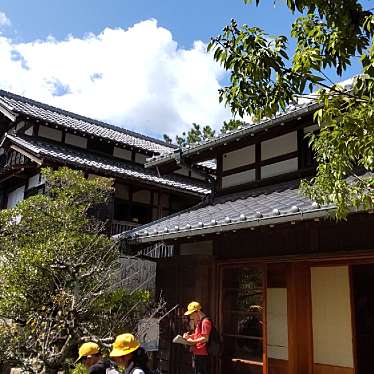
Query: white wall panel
[331, 310]
[279, 146]
[240, 157]
[122, 153]
[15, 196]
[310, 129]
[279, 168]
[140, 158]
[34, 181]
[277, 323]
[238, 178]
[50, 133]
[76, 140]
[29, 131]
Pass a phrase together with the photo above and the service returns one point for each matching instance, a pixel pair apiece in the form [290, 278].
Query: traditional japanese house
[290, 290]
[34, 135]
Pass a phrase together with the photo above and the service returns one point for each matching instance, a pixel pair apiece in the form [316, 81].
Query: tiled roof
[21, 105]
[209, 164]
[80, 158]
[262, 206]
[241, 131]
[304, 105]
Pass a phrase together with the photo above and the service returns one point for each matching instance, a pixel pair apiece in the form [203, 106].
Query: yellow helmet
[123, 345]
[87, 350]
[192, 307]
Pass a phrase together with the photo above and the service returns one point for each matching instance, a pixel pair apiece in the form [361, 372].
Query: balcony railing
[158, 250]
[117, 227]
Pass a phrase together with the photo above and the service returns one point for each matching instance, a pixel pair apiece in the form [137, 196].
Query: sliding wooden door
[242, 319]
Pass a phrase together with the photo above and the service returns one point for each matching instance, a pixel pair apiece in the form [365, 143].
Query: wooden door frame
[324, 260]
[221, 266]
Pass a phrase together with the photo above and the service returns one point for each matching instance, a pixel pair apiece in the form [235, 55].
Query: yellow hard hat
[123, 345]
[87, 350]
[192, 307]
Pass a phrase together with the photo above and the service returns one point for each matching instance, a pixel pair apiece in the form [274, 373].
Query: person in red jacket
[200, 337]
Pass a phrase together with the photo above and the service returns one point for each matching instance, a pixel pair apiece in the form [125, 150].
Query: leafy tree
[196, 134]
[167, 139]
[59, 274]
[79, 369]
[208, 132]
[231, 125]
[265, 79]
[181, 140]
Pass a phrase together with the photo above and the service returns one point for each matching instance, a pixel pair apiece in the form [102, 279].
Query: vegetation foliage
[265, 79]
[200, 133]
[59, 275]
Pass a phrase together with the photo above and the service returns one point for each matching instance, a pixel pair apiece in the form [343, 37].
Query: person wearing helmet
[90, 357]
[129, 355]
[200, 337]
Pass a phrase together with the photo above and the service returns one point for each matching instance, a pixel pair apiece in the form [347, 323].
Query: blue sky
[140, 64]
[187, 20]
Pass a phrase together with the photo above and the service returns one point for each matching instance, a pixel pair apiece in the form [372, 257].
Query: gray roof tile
[209, 164]
[75, 157]
[27, 107]
[282, 201]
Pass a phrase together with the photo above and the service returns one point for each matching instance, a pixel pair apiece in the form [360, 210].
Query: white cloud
[136, 78]
[4, 20]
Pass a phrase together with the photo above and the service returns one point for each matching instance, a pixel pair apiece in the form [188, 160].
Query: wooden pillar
[300, 336]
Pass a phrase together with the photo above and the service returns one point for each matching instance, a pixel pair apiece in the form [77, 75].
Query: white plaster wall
[34, 181]
[277, 323]
[15, 196]
[122, 153]
[239, 178]
[279, 146]
[19, 125]
[29, 131]
[331, 310]
[309, 129]
[76, 140]
[240, 157]
[49, 133]
[140, 158]
[279, 168]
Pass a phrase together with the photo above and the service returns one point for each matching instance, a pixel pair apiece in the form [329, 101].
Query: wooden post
[300, 336]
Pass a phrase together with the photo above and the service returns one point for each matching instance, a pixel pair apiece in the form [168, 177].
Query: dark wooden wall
[181, 280]
[302, 238]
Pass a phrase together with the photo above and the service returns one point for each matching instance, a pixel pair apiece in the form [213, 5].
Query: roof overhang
[7, 111]
[200, 152]
[27, 154]
[40, 157]
[230, 226]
